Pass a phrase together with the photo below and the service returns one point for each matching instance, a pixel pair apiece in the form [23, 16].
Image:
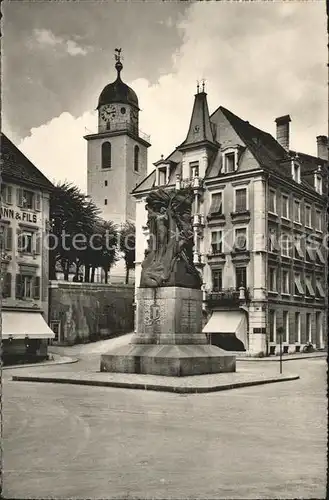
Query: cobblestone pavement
[65, 441]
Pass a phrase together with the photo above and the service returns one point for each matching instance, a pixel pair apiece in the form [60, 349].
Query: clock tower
[117, 153]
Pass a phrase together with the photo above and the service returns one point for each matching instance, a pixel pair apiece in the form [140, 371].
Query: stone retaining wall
[90, 311]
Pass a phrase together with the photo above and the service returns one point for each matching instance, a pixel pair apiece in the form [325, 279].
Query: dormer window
[194, 169]
[163, 174]
[295, 171]
[230, 160]
[318, 183]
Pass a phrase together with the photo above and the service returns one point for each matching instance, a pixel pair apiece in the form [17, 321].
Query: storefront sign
[9, 213]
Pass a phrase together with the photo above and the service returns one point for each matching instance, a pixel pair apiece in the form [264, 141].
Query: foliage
[127, 246]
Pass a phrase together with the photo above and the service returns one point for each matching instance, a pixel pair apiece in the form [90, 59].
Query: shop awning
[226, 324]
[18, 325]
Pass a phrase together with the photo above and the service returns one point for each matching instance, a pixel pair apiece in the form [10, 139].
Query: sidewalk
[247, 374]
[285, 357]
[57, 360]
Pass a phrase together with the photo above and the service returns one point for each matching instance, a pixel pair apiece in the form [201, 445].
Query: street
[67, 441]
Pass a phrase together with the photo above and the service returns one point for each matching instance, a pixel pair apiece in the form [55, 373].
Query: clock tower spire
[117, 153]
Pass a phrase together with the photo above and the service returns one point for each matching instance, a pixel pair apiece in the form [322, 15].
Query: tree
[127, 246]
[102, 249]
[73, 217]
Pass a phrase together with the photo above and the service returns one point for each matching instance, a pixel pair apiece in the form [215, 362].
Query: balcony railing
[228, 297]
[194, 182]
[125, 126]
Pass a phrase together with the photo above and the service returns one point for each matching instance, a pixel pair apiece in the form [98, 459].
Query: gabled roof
[15, 166]
[262, 145]
[147, 183]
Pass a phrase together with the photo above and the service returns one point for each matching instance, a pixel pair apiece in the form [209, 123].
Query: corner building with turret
[259, 218]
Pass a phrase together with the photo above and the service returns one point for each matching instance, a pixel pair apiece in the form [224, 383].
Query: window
[6, 285]
[6, 239]
[136, 158]
[272, 201]
[285, 206]
[216, 207]
[27, 286]
[194, 169]
[309, 253]
[216, 242]
[298, 287]
[308, 327]
[241, 200]
[285, 245]
[6, 193]
[272, 240]
[296, 211]
[240, 240]
[297, 328]
[285, 337]
[55, 326]
[309, 287]
[106, 155]
[272, 325]
[272, 279]
[105, 201]
[298, 253]
[319, 290]
[308, 216]
[241, 277]
[285, 282]
[217, 280]
[318, 220]
[229, 159]
[162, 176]
[105, 183]
[296, 172]
[25, 241]
[318, 183]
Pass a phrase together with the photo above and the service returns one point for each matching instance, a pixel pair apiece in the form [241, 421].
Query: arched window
[106, 155]
[136, 158]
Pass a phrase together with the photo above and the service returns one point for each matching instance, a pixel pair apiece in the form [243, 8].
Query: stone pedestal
[169, 339]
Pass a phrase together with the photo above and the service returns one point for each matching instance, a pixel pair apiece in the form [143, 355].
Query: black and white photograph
[164, 249]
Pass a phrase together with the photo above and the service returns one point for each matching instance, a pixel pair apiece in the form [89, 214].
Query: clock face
[108, 113]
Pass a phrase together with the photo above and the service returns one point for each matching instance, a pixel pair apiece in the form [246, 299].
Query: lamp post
[280, 333]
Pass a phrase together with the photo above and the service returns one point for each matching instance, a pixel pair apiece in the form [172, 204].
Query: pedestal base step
[168, 360]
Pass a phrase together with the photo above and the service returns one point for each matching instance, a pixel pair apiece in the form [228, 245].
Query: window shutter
[20, 240]
[37, 243]
[19, 286]
[37, 202]
[19, 197]
[6, 290]
[8, 238]
[36, 291]
[8, 195]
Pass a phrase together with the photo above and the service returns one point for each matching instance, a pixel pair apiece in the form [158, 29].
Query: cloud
[46, 38]
[260, 60]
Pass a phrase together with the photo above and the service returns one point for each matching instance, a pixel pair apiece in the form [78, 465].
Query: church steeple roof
[200, 127]
[118, 91]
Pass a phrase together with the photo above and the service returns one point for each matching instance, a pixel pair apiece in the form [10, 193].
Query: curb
[153, 387]
[277, 358]
[68, 360]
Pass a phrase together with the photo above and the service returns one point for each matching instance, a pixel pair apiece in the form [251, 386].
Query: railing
[126, 125]
[228, 297]
[194, 182]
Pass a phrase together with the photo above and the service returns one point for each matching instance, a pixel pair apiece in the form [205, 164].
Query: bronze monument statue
[169, 257]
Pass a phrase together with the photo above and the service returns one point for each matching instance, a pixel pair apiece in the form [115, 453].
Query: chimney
[322, 144]
[282, 131]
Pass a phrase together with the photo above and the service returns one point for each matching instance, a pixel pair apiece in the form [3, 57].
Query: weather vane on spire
[197, 86]
[117, 55]
[203, 84]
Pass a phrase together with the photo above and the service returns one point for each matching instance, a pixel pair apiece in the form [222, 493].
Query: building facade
[24, 256]
[260, 218]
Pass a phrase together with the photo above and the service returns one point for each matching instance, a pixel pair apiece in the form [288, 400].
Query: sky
[260, 60]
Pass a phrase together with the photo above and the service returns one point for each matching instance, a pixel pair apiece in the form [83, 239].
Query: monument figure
[169, 257]
[169, 339]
